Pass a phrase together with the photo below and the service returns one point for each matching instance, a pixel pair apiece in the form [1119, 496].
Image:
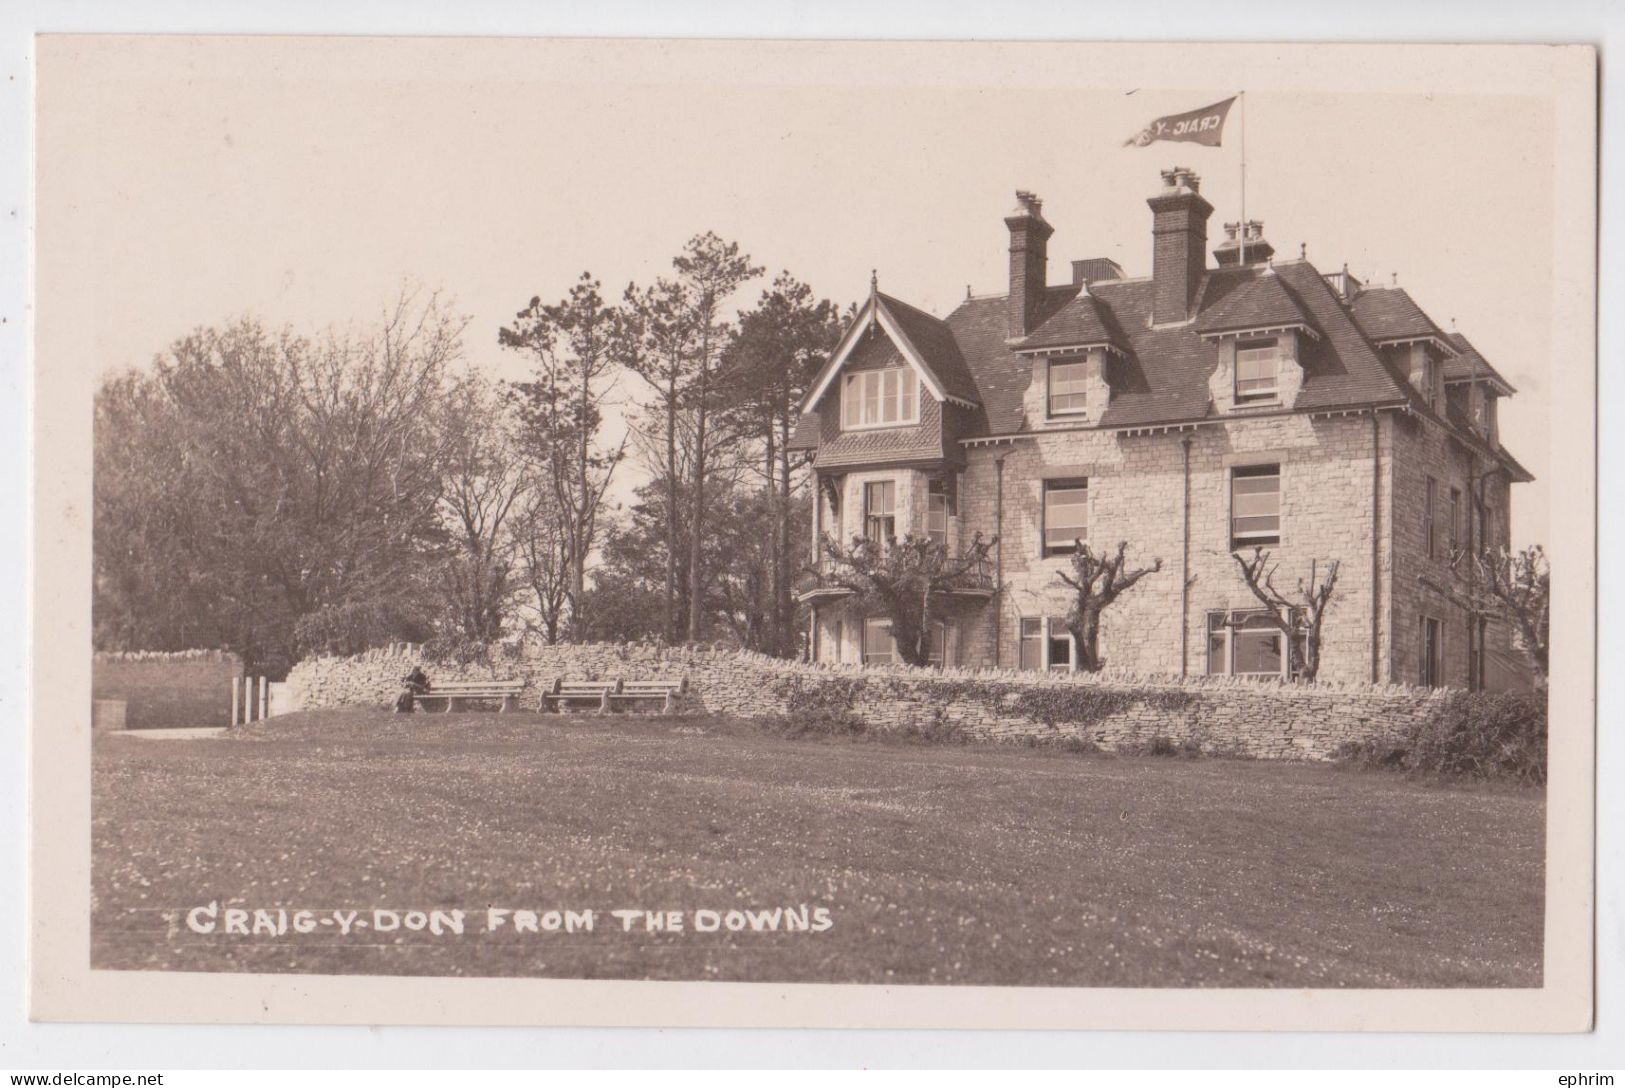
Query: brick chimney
[1029, 259]
[1178, 245]
[1258, 250]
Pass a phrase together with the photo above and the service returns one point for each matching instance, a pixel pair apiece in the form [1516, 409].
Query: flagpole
[1241, 256]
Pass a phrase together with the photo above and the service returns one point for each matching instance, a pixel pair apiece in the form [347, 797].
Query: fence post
[265, 699]
[236, 699]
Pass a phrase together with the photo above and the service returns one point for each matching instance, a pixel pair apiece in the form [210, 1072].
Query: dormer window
[880, 398]
[1430, 382]
[1068, 388]
[1258, 371]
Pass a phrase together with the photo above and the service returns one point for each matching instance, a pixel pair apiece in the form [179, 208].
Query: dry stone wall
[1239, 717]
[186, 688]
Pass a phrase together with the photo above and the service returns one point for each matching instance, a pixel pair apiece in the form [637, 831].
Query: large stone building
[1199, 412]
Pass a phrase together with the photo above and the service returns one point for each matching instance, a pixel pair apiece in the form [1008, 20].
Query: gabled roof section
[1080, 323]
[1256, 303]
[1469, 365]
[925, 342]
[1389, 314]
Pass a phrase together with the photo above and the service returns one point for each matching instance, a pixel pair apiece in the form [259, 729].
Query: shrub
[1467, 735]
[818, 707]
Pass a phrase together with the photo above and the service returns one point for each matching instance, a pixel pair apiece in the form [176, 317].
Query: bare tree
[1097, 581]
[909, 581]
[484, 479]
[543, 550]
[573, 344]
[1513, 587]
[1300, 617]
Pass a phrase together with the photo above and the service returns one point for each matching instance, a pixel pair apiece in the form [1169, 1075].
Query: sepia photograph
[904, 517]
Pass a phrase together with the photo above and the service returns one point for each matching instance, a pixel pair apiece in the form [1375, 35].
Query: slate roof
[1260, 301]
[1161, 376]
[1468, 364]
[1389, 313]
[1081, 320]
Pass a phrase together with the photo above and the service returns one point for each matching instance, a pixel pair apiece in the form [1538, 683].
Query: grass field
[937, 864]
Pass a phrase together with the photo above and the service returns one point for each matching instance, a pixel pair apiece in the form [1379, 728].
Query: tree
[1097, 581]
[781, 345]
[710, 270]
[1513, 587]
[257, 484]
[1299, 618]
[908, 581]
[484, 480]
[573, 344]
[543, 552]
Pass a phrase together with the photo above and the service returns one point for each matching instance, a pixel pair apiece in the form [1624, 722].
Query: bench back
[656, 687]
[456, 687]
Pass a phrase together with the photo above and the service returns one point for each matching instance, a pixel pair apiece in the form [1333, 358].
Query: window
[1058, 656]
[1032, 644]
[1248, 643]
[878, 647]
[1255, 505]
[1428, 505]
[939, 654]
[1068, 388]
[1066, 515]
[1430, 382]
[1258, 371]
[840, 639]
[936, 512]
[1477, 649]
[880, 511]
[1431, 666]
[1454, 528]
[880, 398]
[1046, 644]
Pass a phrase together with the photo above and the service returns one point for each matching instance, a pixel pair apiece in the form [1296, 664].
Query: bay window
[880, 398]
[880, 511]
[936, 512]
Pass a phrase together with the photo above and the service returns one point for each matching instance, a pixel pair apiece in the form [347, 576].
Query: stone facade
[1225, 716]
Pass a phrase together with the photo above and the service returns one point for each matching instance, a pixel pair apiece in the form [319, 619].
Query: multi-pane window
[1066, 515]
[1248, 643]
[1031, 656]
[1431, 665]
[1046, 644]
[1068, 388]
[936, 512]
[878, 646]
[880, 398]
[1477, 637]
[1453, 529]
[880, 511]
[1255, 505]
[1429, 517]
[939, 650]
[1430, 382]
[1258, 371]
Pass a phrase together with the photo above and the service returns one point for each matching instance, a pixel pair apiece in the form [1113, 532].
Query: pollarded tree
[1097, 581]
[1514, 587]
[1299, 617]
[908, 581]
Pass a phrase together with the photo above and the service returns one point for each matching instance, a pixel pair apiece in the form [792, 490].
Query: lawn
[936, 864]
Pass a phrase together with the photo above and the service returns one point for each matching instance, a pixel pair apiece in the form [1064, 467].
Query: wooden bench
[456, 692]
[576, 694]
[664, 692]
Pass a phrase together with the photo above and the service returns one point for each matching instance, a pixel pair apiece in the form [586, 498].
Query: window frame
[1256, 537]
[935, 490]
[1255, 397]
[1229, 632]
[1430, 666]
[1048, 487]
[1050, 394]
[907, 393]
[1430, 531]
[872, 519]
[1454, 525]
[1049, 630]
[866, 656]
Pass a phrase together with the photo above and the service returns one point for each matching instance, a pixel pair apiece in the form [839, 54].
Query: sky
[306, 181]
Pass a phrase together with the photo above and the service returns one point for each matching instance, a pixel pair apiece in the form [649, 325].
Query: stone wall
[168, 690]
[1267, 720]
